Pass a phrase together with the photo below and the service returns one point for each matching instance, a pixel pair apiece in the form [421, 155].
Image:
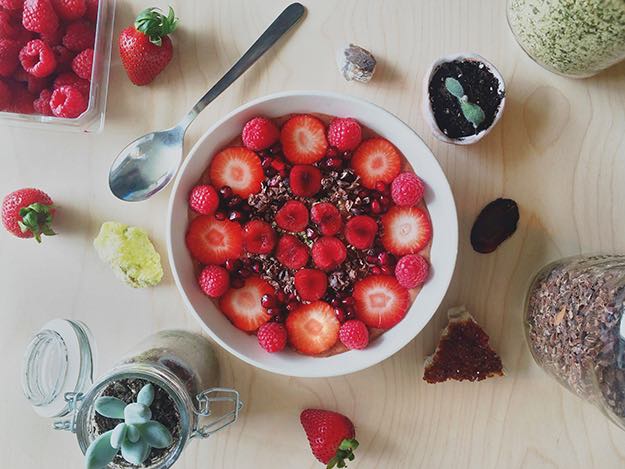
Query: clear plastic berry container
[92, 120]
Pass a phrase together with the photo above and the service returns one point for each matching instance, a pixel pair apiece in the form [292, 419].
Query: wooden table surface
[559, 152]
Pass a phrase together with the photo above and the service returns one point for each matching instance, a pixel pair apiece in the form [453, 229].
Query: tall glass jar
[575, 328]
[575, 38]
[181, 366]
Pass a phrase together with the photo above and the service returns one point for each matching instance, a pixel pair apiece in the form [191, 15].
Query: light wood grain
[559, 151]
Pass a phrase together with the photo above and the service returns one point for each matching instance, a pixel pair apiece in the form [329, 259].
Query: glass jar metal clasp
[73, 400]
[206, 401]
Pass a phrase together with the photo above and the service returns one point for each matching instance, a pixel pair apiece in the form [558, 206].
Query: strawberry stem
[153, 23]
[345, 451]
[36, 218]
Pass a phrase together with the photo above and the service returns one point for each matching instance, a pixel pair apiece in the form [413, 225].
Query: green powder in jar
[571, 37]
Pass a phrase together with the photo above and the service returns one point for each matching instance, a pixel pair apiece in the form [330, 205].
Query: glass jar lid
[59, 359]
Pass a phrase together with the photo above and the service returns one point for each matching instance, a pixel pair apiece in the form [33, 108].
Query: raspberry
[71, 79]
[272, 336]
[80, 35]
[36, 85]
[5, 96]
[204, 200]
[39, 16]
[407, 190]
[304, 180]
[327, 217]
[328, 253]
[83, 63]
[293, 216]
[9, 52]
[8, 28]
[291, 252]
[354, 334]
[53, 38]
[42, 103]
[37, 58]
[360, 231]
[259, 237]
[22, 102]
[260, 133]
[70, 10]
[63, 58]
[311, 284]
[344, 134]
[12, 4]
[214, 281]
[67, 101]
[412, 271]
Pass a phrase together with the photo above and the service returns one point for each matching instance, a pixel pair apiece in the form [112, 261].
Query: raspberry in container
[58, 72]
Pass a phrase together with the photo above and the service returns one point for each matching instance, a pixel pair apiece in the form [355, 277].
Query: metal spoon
[149, 163]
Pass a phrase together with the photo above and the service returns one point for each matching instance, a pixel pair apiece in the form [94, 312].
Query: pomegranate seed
[380, 187]
[268, 301]
[278, 318]
[220, 216]
[232, 264]
[266, 163]
[385, 201]
[292, 297]
[384, 258]
[347, 155]
[376, 270]
[350, 312]
[372, 259]
[349, 300]
[225, 192]
[387, 270]
[292, 306]
[274, 311]
[376, 207]
[340, 314]
[235, 215]
[333, 163]
[256, 267]
[362, 193]
[335, 302]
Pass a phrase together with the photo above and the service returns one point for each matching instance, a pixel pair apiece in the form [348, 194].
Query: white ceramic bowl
[439, 200]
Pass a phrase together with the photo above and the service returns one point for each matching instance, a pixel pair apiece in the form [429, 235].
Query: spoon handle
[275, 31]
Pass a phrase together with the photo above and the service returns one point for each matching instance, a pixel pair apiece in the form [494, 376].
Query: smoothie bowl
[328, 225]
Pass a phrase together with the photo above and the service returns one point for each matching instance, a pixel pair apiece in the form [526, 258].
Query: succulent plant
[471, 111]
[135, 436]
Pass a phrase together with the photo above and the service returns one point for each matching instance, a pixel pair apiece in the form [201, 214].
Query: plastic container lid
[58, 360]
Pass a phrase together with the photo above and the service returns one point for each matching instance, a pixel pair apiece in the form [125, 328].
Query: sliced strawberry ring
[242, 306]
[313, 328]
[213, 241]
[376, 160]
[238, 168]
[303, 139]
[380, 301]
[407, 230]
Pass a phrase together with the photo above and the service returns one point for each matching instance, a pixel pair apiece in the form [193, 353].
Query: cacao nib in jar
[573, 318]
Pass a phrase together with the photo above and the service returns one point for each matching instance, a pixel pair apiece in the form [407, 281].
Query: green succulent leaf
[119, 435]
[100, 452]
[454, 87]
[133, 434]
[110, 407]
[137, 414]
[473, 113]
[146, 395]
[156, 434]
[135, 453]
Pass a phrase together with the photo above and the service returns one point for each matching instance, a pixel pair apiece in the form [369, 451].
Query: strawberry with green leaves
[331, 436]
[28, 213]
[146, 48]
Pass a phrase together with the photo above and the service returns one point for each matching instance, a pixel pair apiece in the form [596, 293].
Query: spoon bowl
[146, 165]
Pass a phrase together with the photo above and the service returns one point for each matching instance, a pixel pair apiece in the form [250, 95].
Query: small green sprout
[472, 112]
[135, 437]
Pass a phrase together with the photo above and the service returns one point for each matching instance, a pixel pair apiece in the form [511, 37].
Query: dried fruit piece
[356, 63]
[463, 352]
[495, 223]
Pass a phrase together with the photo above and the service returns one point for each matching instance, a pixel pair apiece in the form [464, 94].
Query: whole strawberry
[331, 436]
[28, 213]
[146, 48]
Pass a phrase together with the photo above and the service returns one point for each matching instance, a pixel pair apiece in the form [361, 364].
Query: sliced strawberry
[291, 252]
[328, 252]
[407, 230]
[376, 160]
[238, 168]
[313, 328]
[213, 241]
[303, 139]
[311, 284]
[305, 180]
[327, 217]
[242, 305]
[360, 231]
[292, 216]
[259, 237]
[380, 301]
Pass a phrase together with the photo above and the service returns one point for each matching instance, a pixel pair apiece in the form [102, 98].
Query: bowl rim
[349, 366]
